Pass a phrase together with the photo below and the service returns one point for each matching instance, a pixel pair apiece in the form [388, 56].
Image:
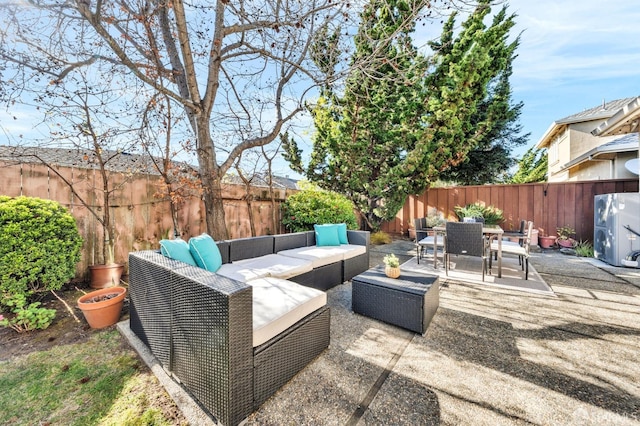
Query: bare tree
[239, 70]
[247, 177]
[269, 157]
[178, 179]
[84, 118]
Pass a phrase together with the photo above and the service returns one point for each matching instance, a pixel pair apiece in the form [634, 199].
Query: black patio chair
[425, 238]
[465, 239]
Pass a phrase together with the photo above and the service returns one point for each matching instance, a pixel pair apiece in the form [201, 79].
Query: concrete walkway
[491, 356]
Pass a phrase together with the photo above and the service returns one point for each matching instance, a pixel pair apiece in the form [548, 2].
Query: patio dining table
[490, 231]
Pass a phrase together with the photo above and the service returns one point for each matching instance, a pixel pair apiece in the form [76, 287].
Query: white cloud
[564, 41]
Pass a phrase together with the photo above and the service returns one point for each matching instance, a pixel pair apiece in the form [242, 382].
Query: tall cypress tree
[490, 159]
[532, 167]
[404, 118]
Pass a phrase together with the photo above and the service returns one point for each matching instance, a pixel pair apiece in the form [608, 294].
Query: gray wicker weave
[198, 324]
[465, 238]
[409, 301]
[205, 335]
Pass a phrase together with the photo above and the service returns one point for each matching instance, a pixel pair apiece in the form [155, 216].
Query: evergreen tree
[491, 159]
[532, 167]
[404, 118]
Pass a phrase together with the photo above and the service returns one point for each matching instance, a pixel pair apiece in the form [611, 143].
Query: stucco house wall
[576, 153]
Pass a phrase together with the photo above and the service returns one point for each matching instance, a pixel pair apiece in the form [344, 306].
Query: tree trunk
[211, 177]
[251, 218]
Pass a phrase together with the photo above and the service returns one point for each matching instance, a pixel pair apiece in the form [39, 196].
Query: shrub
[379, 238]
[312, 205]
[27, 318]
[39, 249]
[492, 215]
[584, 249]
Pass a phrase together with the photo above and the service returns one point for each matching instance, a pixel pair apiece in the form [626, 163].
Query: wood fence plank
[549, 205]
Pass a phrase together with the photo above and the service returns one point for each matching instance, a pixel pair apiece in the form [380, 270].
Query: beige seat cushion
[240, 272]
[319, 256]
[278, 304]
[352, 250]
[278, 266]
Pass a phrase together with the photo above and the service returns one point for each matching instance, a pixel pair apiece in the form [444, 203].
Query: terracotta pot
[565, 243]
[102, 313]
[546, 242]
[392, 272]
[105, 275]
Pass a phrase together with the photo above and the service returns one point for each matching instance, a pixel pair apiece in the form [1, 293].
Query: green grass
[94, 382]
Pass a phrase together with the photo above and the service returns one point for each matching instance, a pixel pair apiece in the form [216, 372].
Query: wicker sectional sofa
[201, 325]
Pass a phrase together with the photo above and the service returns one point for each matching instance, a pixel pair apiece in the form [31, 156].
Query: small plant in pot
[565, 237]
[392, 266]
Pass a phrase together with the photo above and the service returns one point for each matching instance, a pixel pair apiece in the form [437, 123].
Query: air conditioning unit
[615, 217]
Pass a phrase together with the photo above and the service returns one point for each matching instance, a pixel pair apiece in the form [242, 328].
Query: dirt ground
[70, 327]
[65, 329]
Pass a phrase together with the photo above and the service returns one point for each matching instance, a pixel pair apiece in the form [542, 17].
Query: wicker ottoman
[409, 301]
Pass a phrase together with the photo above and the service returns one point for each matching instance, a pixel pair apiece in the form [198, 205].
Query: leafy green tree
[532, 167]
[491, 159]
[404, 118]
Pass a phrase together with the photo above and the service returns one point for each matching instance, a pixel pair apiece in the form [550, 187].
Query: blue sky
[573, 54]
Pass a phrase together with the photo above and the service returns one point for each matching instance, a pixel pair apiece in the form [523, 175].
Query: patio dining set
[473, 237]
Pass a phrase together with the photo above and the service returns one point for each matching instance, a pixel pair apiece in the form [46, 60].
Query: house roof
[117, 162]
[624, 121]
[79, 158]
[601, 112]
[607, 151]
[260, 180]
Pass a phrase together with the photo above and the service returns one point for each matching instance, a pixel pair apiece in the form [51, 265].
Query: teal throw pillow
[327, 235]
[206, 253]
[342, 233]
[178, 250]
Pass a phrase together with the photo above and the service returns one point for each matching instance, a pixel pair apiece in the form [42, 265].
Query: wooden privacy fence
[140, 217]
[549, 205]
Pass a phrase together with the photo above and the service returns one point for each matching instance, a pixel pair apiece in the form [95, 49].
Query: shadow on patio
[490, 356]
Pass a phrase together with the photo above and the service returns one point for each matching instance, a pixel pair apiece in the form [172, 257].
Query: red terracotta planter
[565, 243]
[546, 242]
[102, 313]
[103, 276]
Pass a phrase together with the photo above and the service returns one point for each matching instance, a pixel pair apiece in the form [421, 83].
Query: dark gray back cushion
[289, 241]
[245, 248]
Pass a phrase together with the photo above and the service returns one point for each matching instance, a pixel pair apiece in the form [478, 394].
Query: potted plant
[565, 236]
[392, 266]
[412, 229]
[546, 241]
[102, 308]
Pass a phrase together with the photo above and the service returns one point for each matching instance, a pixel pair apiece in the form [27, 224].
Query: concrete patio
[490, 356]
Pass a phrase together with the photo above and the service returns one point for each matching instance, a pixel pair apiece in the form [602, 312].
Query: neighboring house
[577, 151]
